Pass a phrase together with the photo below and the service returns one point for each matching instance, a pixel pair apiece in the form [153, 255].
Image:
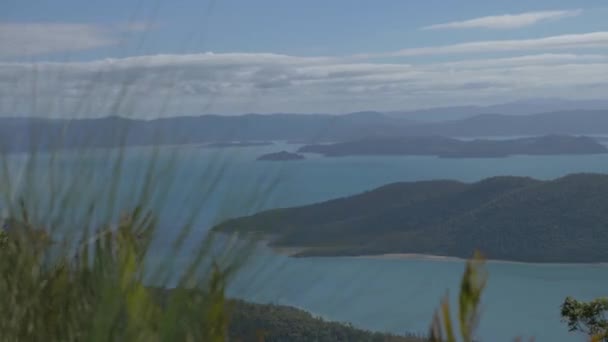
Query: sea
[198, 187]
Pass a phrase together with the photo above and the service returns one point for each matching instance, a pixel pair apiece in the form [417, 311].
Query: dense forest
[507, 218]
[455, 148]
[277, 323]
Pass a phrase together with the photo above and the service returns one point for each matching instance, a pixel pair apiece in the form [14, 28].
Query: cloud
[36, 39]
[562, 42]
[507, 21]
[32, 39]
[166, 85]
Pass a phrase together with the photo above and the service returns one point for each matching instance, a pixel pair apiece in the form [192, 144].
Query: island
[222, 144]
[281, 156]
[454, 148]
[506, 218]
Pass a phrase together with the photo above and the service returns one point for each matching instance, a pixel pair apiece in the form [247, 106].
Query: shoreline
[409, 256]
[293, 251]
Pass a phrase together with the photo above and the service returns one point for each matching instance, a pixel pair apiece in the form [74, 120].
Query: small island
[444, 147]
[223, 144]
[281, 156]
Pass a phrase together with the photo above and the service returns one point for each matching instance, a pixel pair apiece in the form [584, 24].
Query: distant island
[507, 218]
[280, 156]
[455, 148]
[238, 144]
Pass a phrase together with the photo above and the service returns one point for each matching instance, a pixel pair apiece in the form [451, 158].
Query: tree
[587, 317]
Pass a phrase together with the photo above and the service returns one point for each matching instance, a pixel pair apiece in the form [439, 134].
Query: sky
[191, 57]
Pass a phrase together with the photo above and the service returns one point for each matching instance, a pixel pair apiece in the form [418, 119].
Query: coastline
[293, 251]
[409, 256]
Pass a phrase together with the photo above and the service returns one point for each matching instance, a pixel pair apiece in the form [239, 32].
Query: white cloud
[162, 85]
[540, 59]
[31, 39]
[562, 42]
[507, 21]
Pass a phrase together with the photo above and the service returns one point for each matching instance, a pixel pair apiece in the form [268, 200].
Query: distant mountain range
[567, 122]
[23, 134]
[454, 148]
[506, 218]
[524, 107]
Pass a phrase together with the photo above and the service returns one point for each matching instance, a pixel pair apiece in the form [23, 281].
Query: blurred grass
[471, 288]
[80, 226]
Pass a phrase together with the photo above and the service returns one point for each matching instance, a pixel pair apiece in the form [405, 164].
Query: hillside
[282, 323]
[454, 148]
[249, 321]
[509, 218]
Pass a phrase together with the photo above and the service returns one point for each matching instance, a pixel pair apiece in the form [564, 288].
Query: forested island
[454, 148]
[506, 218]
[238, 144]
[280, 156]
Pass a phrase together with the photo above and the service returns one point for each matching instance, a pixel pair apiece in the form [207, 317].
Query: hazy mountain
[21, 134]
[524, 107]
[566, 122]
[511, 218]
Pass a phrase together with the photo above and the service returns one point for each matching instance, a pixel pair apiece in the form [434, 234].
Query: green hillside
[510, 218]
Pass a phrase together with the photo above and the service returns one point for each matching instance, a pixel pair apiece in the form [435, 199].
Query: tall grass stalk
[81, 226]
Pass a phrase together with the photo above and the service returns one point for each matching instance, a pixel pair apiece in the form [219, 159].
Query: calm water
[388, 295]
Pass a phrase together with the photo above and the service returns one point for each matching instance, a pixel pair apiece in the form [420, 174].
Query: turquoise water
[379, 294]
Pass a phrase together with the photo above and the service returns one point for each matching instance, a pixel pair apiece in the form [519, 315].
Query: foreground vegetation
[98, 292]
[507, 218]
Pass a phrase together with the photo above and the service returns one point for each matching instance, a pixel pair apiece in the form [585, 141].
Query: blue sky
[301, 56]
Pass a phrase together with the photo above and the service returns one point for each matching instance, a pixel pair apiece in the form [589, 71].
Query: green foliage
[98, 294]
[587, 317]
[507, 218]
[471, 287]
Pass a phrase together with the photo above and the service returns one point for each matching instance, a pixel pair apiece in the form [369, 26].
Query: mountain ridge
[26, 134]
